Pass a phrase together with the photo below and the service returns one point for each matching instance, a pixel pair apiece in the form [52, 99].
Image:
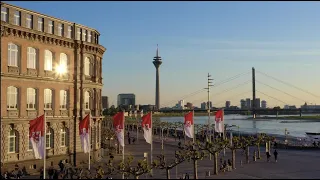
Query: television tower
[157, 62]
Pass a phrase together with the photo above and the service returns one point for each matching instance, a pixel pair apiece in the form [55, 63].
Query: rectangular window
[63, 138]
[78, 33]
[4, 14]
[63, 99]
[29, 21]
[12, 97]
[50, 27]
[48, 60]
[89, 36]
[48, 99]
[84, 35]
[60, 29]
[31, 98]
[13, 52]
[94, 38]
[17, 18]
[69, 32]
[12, 141]
[40, 24]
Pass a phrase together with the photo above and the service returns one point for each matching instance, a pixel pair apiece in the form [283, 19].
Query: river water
[296, 128]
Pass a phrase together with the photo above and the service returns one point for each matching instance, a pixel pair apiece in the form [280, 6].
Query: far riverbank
[289, 117]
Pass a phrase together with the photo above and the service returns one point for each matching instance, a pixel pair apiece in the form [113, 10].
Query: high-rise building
[243, 104]
[41, 74]
[209, 104]
[181, 104]
[257, 103]
[228, 104]
[105, 102]
[248, 103]
[127, 100]
[263, 104]
[204, 105]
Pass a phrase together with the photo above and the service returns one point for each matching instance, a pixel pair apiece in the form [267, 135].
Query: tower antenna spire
[157, 54]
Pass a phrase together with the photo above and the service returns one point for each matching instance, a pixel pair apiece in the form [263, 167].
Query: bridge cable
[281, 91]
[230, 89]
[272, 97]
[230, 98]
[288, 84]
[230, 79]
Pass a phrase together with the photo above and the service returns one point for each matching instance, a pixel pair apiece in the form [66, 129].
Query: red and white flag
[118, 124]
[219, 121]
[147, 127]
[37, 136]
[188, 124]
[84, 133]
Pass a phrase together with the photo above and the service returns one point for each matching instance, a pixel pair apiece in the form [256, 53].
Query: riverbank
[289, 118]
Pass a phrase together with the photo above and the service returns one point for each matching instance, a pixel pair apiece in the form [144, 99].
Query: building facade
[105, 102]
[126, 100]
[263, 104]
[53, 67]
[228, 103]
[243, 104]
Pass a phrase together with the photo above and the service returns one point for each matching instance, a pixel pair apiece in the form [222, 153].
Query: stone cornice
[46, 38]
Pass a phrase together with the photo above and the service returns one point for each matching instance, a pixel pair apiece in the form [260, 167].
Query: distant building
[147, 108]
[228, 104]
[189, 105]
[310, 107]
[126, 100]
[209, 104]
[243, 104]
[264, 104]
[257, 103]
[181, 104]
[105, 102]
[248, 103]
[204, 105]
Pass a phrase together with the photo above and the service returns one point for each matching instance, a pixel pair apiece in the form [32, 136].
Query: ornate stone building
[50, 66]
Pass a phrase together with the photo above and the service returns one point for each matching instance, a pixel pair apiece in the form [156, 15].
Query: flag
[37, 136]
[118, 124]
[84, 134]
[219, 123]
[147, 129]
[188, 124]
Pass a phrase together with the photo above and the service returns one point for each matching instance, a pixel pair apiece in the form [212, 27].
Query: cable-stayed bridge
[254, 109]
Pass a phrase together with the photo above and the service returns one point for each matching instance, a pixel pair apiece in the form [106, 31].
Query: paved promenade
[292, 164]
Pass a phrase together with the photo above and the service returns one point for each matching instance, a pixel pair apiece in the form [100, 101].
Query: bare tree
[164, 164]
[141, 168]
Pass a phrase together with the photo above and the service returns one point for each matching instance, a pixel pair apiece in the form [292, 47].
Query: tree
[258, 141]
[142, 167]
[214, 147]
[235, 144]
[246, 143]
[164, 164]
[192, 152]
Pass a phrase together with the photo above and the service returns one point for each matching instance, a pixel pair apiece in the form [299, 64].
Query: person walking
[268, 156]
[275, 153]
[129, 140]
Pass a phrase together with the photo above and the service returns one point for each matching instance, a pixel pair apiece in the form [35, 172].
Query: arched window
[12, 97]
[63, 61]
[87, 66]
[12, 141]
[86, 100]
[63, 137]
[47, 99]
[63, 99]
[13, 55]
[48, 60]
[31, 98]
[31, 58]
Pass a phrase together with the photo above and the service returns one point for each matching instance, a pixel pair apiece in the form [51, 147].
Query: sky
[280, 39]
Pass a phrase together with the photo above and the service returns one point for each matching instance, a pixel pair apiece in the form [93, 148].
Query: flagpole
[89, 130]
[194, 137]
[224, 133]
[44, 146]
[136, 115]
[123, 143]
[151, 142]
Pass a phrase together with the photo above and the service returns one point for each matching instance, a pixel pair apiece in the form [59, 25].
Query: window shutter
[67, 137]
[52, 138]
[17, 141]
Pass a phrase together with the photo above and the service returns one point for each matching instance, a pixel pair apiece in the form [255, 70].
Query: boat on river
[313, 136]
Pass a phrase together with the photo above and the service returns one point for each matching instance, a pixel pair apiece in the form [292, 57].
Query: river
[296, 128]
